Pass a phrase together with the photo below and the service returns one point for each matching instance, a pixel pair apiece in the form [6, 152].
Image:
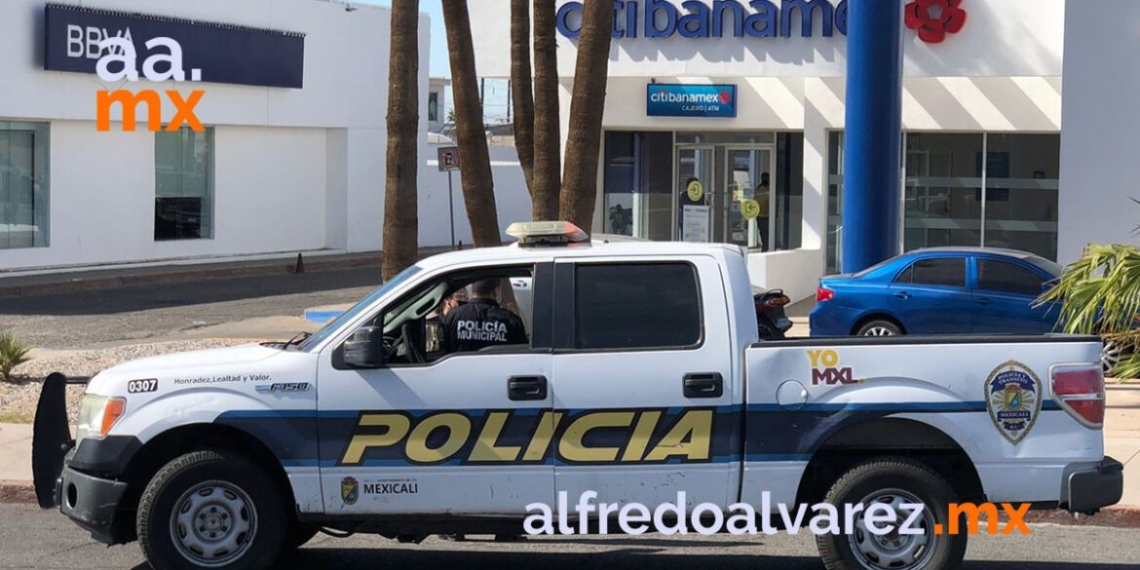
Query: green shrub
[12, 354]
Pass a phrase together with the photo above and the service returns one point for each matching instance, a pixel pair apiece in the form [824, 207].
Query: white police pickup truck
[642, 377]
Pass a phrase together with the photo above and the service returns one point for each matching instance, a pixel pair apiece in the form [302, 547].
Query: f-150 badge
[1013, 398]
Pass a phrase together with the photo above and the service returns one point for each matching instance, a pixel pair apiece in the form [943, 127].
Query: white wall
[511, 198]
[1000, 38]
[296, 169]
[1098, 141]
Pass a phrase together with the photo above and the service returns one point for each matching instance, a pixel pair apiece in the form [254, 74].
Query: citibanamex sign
[774, 19]
[933, 19]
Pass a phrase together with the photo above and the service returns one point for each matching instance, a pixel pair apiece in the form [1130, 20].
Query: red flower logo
[725, 97]
[933, 19]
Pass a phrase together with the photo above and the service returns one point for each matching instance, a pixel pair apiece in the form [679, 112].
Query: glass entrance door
[748, 201]
[693, 214]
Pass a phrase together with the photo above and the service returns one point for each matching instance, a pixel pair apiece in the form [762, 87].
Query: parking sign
[448, 158]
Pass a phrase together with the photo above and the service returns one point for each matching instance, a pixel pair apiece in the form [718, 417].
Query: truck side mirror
[365, 348]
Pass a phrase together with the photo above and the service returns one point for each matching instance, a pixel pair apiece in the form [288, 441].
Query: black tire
[879, 327]
[844, 551]
[260, 513]
[768, 332]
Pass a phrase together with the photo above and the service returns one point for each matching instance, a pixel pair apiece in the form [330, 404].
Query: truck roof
[624, 248]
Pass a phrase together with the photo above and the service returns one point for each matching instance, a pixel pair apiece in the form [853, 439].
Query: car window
[1006, 277]
[486, 319]
[636, 306]
[943, 271]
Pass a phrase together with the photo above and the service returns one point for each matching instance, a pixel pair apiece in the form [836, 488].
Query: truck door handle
[703, 385]
[526, 387]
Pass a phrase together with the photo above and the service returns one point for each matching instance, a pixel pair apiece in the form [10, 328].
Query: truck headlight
[97, 415]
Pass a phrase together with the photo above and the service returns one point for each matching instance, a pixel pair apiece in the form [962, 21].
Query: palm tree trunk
[547, 129]
[401, 219]
[579, 186]
[474, 157]
[521, 92]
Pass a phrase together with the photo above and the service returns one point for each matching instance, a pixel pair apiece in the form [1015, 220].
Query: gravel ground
[18, 401]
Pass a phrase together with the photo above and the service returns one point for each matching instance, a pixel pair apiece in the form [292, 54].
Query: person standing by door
[763, 194]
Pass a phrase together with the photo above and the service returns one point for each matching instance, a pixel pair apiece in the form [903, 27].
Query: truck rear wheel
[211, 509]
[894, 482]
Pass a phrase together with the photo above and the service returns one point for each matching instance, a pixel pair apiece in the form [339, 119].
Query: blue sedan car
[942, 290]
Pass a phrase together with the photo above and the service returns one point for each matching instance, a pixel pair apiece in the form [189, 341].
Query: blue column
[873, 133]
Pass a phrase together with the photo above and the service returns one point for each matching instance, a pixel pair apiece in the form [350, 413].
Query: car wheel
[880, 327]
[907, 544]
[1110, 355]
[213, 510]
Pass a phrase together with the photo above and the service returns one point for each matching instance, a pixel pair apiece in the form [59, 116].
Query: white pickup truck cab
[643, 377]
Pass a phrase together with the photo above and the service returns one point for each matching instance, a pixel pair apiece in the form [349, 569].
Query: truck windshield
[356, 309]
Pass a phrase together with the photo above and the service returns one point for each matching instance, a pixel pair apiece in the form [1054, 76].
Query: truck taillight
[1080, 392]
[823, 294]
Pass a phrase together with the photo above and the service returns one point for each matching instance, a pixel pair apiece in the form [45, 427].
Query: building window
[433, 106]
[23, 185]
[184, 184]
[954, 197]
[834, 244]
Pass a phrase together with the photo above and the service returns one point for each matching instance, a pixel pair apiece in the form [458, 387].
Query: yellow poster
[750, 209]
[696, 191]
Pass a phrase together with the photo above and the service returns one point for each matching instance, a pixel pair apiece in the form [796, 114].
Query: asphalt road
[35, 539]
[158, 312]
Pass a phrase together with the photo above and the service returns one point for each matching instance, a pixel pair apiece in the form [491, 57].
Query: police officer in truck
[482, 322]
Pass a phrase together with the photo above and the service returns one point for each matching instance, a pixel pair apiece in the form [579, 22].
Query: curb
[81, 284]
[1117, 516]
[321, 316]
[95, 279]
[21, 492]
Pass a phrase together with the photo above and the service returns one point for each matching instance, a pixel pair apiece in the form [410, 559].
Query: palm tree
[579, 185]
[1100, 294]
[471, 137]
[401, 219]
[521, 95]
[547, 130]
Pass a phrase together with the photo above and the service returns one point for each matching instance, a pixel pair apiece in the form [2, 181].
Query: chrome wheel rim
[213, 523]
[1109, 356]
[878, 331]
[893, 550]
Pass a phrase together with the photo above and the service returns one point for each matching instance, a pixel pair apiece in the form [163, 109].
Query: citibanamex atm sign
[163, 63]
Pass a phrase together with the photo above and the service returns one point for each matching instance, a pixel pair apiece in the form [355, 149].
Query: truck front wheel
[918, 542]
[211, 509]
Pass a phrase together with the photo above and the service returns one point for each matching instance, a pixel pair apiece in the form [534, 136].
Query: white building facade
[290, 157]
[746, 99]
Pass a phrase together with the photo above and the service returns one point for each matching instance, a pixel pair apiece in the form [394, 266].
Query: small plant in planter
[12, 354]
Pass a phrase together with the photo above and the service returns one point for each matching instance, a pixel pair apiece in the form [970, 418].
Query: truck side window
[943, 271]
[636, 306]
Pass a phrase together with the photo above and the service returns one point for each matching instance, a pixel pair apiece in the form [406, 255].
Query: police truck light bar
[548, 233]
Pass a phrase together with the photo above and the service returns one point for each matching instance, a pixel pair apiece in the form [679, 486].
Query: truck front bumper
[1087, 490]
[93, 504]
